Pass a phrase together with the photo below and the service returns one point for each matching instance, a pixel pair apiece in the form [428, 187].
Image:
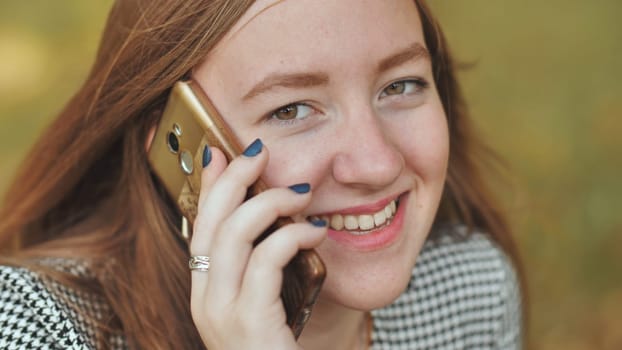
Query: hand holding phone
[189, 122]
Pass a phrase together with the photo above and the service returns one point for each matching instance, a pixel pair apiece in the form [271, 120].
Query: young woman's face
[342, 95]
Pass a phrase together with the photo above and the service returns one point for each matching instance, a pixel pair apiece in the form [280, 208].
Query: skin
[357, 140]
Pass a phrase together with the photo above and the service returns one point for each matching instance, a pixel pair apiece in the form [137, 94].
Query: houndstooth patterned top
[463, 294]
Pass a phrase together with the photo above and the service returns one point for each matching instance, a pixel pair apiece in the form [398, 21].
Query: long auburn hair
[86, 191]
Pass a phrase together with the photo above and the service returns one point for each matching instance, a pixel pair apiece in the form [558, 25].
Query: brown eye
[396, 88]
[288, 112]
[291, 113]
[404, 87]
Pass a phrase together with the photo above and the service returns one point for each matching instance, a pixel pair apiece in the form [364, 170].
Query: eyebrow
[415, 51]
[291, 80]
[304, 80]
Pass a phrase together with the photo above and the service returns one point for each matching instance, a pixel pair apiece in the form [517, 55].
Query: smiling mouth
[361, 224]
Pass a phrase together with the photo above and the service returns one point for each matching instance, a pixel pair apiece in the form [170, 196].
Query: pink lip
[379, 238]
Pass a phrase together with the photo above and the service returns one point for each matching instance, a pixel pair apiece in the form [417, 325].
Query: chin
[370, 281]
[365, 293]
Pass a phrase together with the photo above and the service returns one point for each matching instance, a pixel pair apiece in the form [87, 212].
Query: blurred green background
[545, 89]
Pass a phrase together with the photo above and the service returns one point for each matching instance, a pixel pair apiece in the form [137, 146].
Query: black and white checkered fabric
[39, 315]
[463, 295]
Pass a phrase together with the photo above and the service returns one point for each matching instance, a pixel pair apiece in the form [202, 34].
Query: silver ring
[199, 263]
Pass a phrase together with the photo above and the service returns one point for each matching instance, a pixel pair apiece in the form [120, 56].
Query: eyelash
[420, 85]
[271, 117]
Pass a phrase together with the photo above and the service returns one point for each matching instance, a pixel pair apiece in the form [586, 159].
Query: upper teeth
[364, 222]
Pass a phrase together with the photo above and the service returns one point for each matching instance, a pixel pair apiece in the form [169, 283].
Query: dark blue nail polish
[318, 222]
[253, 149]
[300, 188]
[207, 156]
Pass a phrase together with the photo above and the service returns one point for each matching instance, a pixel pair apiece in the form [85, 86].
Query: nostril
[374, 169]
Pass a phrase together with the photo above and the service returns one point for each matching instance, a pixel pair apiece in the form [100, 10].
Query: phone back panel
[180, 169]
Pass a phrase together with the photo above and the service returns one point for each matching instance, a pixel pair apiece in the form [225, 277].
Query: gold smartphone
[189, 122]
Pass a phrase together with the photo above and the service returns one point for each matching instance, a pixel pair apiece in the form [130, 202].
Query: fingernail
[300, 188]
[318, 222]
[254, 148]
[207, 156]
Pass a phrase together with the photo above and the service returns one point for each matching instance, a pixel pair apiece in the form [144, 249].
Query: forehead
[316, 35]
[289, 19]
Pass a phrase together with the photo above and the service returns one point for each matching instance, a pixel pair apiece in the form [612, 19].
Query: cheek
[297, 160]
[425, 145]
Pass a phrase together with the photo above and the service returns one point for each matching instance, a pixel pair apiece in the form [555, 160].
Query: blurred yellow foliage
[21, 65]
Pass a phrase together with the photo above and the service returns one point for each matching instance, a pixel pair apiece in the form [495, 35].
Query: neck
[334, 326]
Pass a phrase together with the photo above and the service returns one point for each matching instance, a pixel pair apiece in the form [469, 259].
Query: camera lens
[173, 142]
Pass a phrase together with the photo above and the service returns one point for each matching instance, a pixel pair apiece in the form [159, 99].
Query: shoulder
[30, 316]
[40, 313]
[463, 293]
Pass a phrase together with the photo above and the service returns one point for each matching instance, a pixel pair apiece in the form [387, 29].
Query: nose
[367, 157]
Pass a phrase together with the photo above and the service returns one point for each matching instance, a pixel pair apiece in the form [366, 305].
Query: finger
[227, 192]
[264, 275]
[214, 163]
[233, 246]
